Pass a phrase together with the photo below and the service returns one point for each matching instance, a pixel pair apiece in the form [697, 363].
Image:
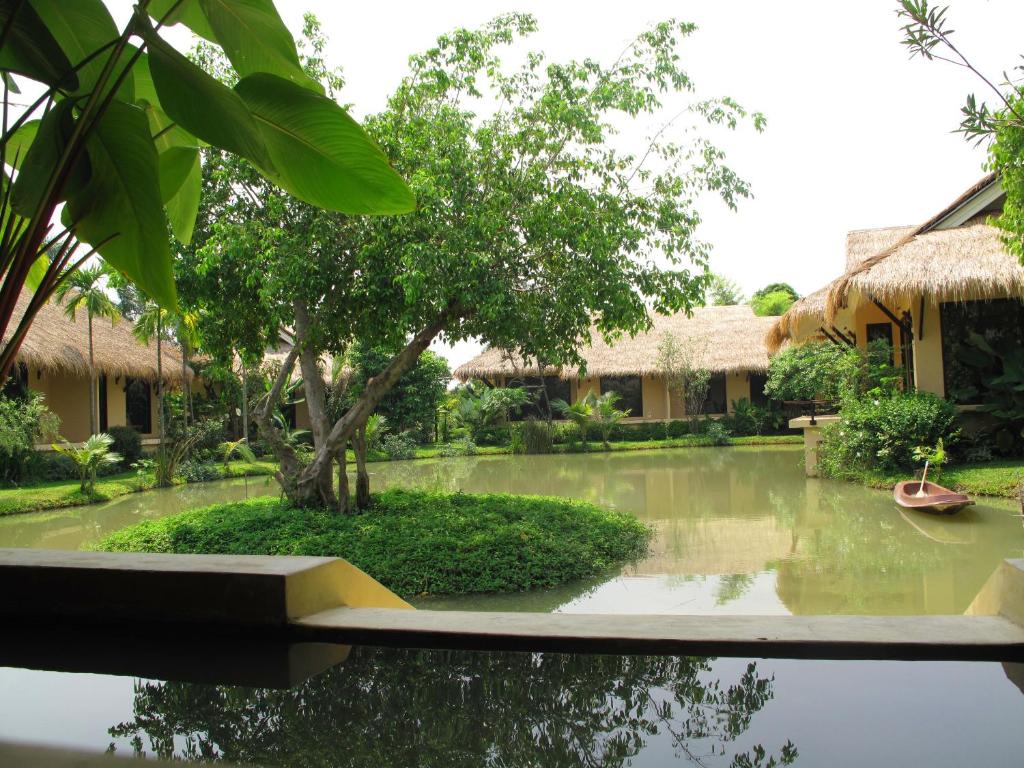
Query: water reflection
[417, 707]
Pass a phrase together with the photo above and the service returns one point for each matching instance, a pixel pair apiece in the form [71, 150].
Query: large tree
[535, 223]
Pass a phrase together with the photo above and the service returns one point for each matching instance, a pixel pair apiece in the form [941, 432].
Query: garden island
[230, 315]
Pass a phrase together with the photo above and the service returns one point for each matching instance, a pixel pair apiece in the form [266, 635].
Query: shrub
[399, 446]
[827, 371]
[568, 434]
[128, 443]
[677, 428]
[93, 454]
[882, 433]
[24, 421]
[749, 419]
[536, 436]
[496, 435]
[415, 542]
[192, 471]
[465, 447]
[716, 432]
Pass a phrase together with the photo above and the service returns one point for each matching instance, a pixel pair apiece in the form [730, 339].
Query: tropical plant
[998, 384]
[481, 406]
[399, 446]
[376, 428]
[746, 418]
[716, 432]
[936, 456]
[84, 289]
[24, 421]
[229, 449]
[153, 322]
[832, 372]
[88, 458]
[114, 138]
[580, 413]
[606, 416]
[590, 233]
[127, 442]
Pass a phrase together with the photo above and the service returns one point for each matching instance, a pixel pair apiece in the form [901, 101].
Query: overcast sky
[858, 135]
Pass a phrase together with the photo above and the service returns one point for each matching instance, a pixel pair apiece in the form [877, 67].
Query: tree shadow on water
[408, 707]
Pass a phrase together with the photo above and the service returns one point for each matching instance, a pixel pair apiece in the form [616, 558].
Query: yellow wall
[928, 371]
[68, 397]
[655, 397]
[868, 314]
[737, 387]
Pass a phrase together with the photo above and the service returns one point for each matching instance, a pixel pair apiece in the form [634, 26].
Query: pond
[406, 707]
[738, 530]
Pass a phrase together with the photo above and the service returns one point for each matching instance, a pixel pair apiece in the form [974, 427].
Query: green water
[738, 530]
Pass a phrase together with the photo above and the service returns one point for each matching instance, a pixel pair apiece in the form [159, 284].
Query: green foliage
[127, 443]
[24, 421]
[883, 433]
[830, 372]
[376, 429]
[1002, 393]
[771, 304]
[415, 542]
[580, 413]
[481, 406]
[195, 471]
[229, 449]
[749, 419]
[936, 456]
[606, 416]
[398, 446]
[536, 436]
[93, 454]
[412, 404]
[722, 291]
[465, 447]
[716, 432]
[115, 136]
[785, 288]
[687, 380]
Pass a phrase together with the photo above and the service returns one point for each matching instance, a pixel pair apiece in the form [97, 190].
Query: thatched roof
[968, 262]
[57, 344]
[724, 339]
[810, 310]
[862, 244]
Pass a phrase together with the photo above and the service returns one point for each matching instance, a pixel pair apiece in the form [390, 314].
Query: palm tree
[606, 415]
[83, 288]
[153, 322]
[186, 329]
[580, 413]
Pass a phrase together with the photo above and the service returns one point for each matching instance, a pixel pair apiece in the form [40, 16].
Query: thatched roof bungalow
[925, 290]
[54, 360]
[728, 341]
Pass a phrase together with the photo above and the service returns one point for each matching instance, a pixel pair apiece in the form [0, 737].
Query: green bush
[716, 432]
[415, 542]
[399, 446]
[496, 435]
[827, 371]
[677, 428]
[24, 421]
[536, 436]
[193, 471]
[128, 443]
[464, 447]
[749, 419]
[882, 433]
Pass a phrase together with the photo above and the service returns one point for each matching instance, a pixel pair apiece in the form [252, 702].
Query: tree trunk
[344, 500]
[92, 383]
[245, 404]
[375, 389]
[186, 396]
[362, 476]
[160, 379]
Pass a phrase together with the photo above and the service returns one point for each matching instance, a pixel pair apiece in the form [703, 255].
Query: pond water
[738, 530]
[405, 707]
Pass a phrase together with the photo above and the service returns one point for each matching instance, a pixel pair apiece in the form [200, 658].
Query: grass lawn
[415, 542]
[66, 493]
[993, 478]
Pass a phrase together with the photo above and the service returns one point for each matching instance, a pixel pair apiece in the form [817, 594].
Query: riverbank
[415, 542]
[59, 494]
[1000, 478]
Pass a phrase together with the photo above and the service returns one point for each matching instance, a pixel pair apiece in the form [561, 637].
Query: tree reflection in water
[453, 708]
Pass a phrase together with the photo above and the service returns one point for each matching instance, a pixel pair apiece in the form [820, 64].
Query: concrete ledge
[825, 637]
[190, 589]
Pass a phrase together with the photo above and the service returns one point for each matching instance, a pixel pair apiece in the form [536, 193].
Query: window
[715, 401]
[557, 389]
[966, 369]
[630, 390]
[757, 384]
[138, 404]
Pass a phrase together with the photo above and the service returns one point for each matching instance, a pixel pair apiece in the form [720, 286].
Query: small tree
[606, 415]
[685, 379]
[93, 454]
[580, 413]
[723, 292]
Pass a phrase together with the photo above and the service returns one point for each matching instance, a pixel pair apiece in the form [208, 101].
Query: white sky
[858, 135]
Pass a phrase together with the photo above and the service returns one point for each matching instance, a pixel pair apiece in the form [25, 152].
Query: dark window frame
[145, 425]
[713, 387]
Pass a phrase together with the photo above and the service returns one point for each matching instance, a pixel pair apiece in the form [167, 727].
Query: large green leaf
[31, 50]
[181, 182]
[37, 272]
[122, 202]
[187, 12]
[142, 80]
[201, 105]
[320, 154]
[166, 133]
[40, 161]
[19, 142]
[255, 39]
[82, 27]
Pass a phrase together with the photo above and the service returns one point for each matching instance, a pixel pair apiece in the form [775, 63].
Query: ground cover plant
[415, 542]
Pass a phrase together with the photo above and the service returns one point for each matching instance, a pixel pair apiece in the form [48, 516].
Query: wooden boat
[930, 498]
